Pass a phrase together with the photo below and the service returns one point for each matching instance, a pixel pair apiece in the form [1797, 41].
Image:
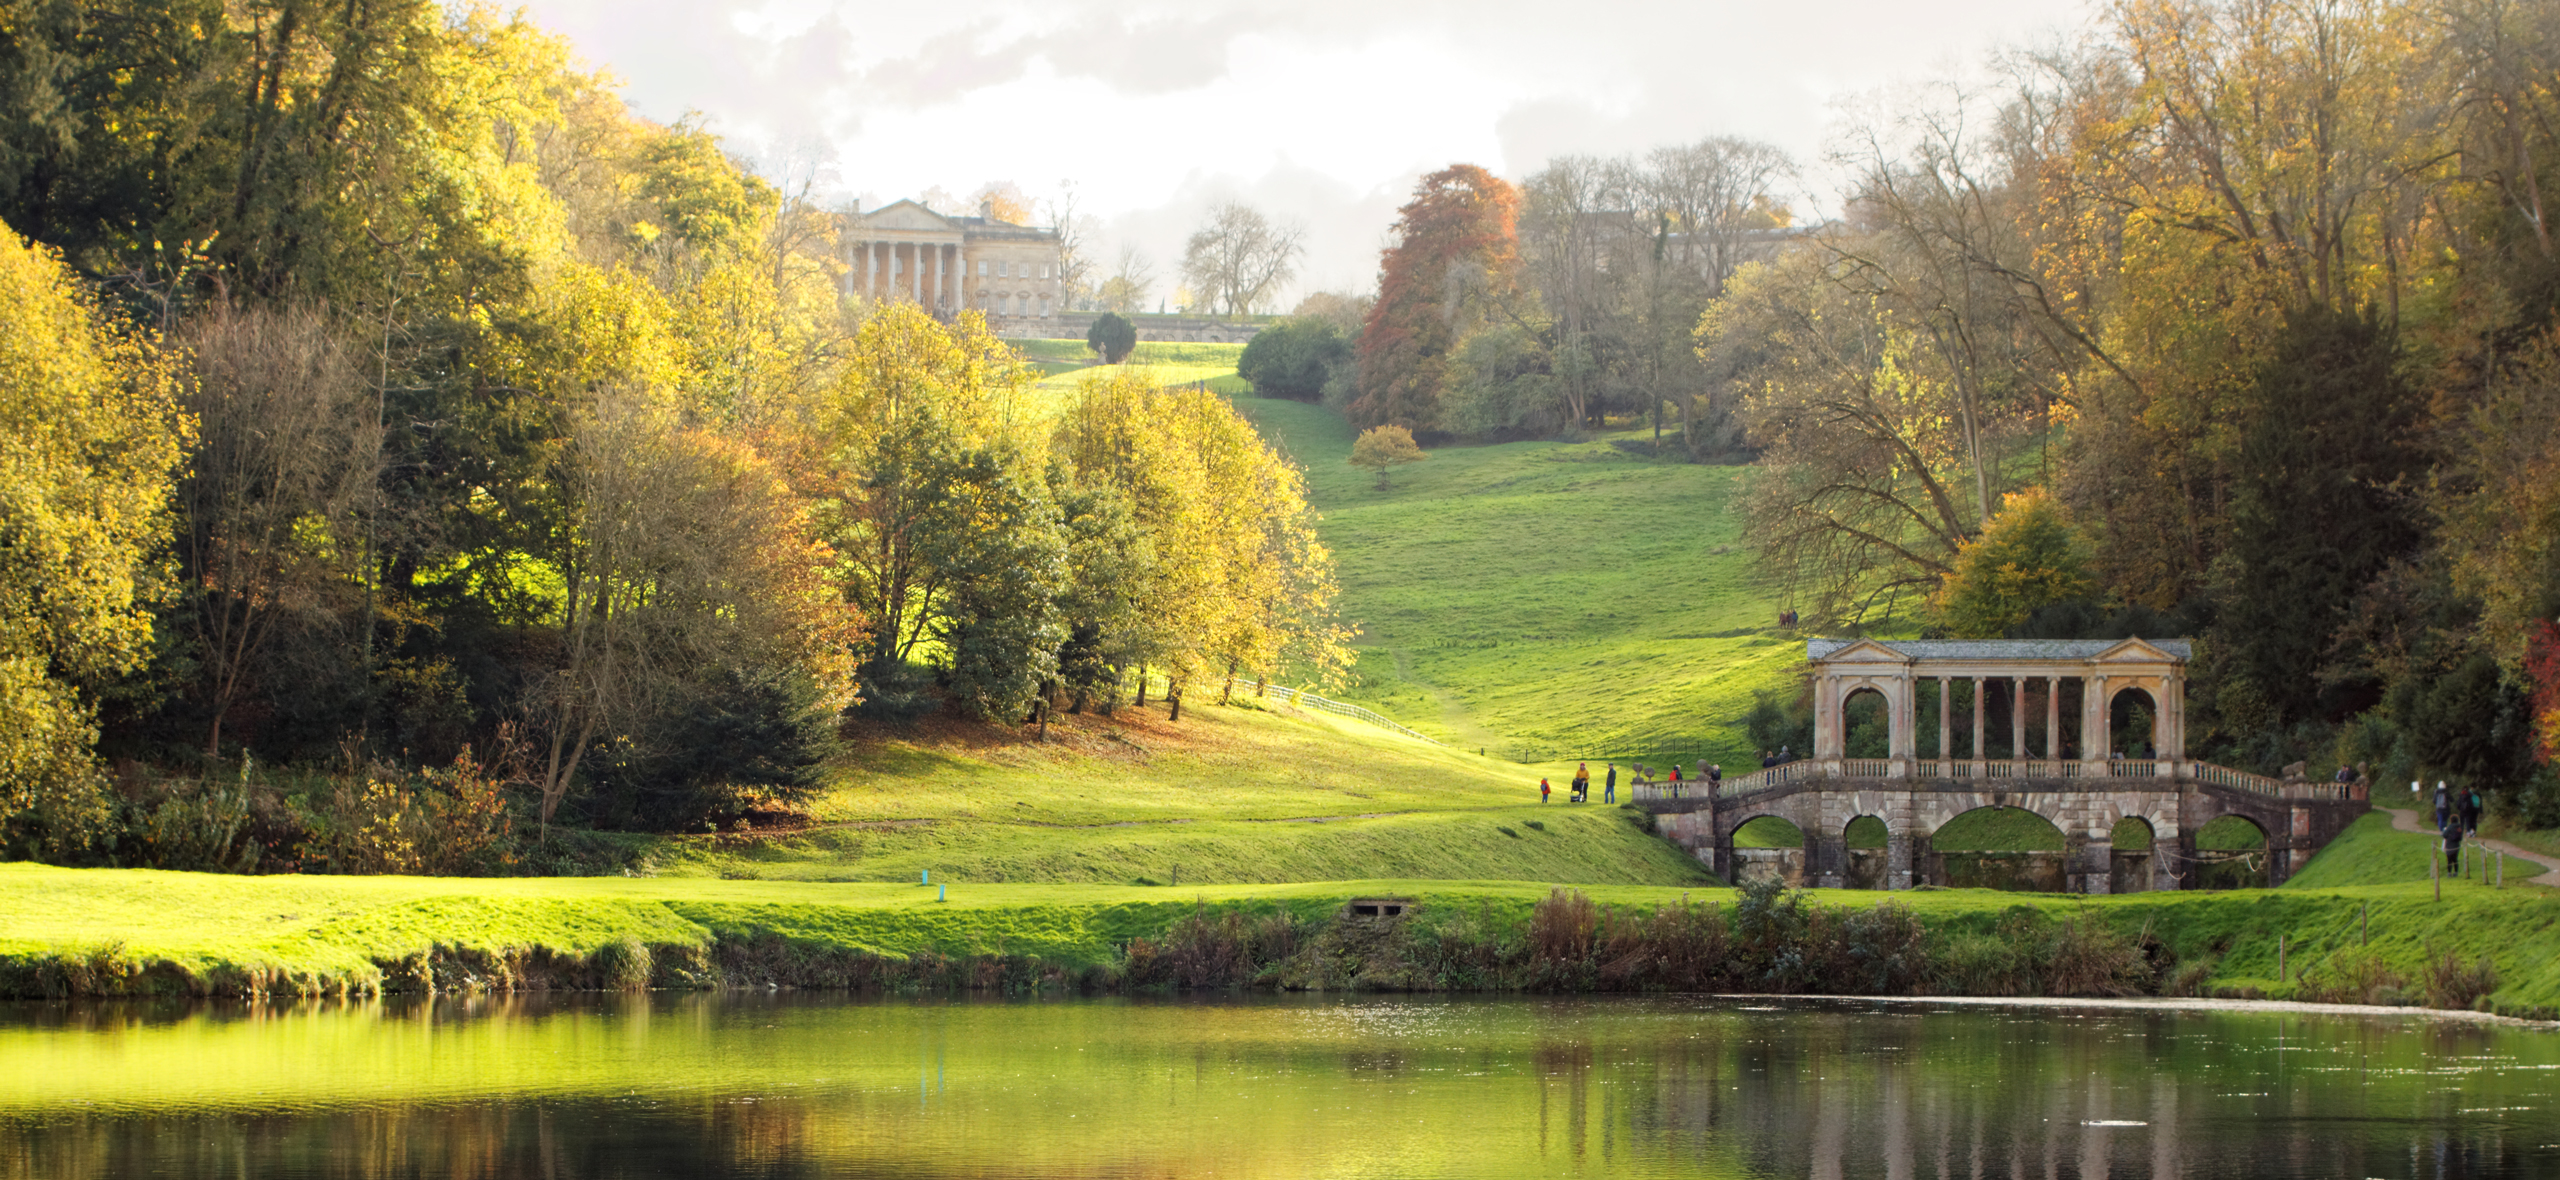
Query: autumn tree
[2026, 559]
[1234, 578]
[1239, 259]
[691, 558]
[1455, 249]
[1132, 283]
[915, 401]
[1381, 448]
[273, 504]
[92, 432]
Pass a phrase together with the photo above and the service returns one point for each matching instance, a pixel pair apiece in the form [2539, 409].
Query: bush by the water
[1772, 940]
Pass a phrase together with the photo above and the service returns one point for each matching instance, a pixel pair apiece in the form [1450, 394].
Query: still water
[763, 1085]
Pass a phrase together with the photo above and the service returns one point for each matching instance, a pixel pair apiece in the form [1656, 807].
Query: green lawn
[1238, 793]
[1546, 600]
[1063, 364]
[313, 932]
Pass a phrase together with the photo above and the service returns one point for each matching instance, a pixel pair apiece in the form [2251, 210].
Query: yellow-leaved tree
[1237, 583]
[91, 435]
[2028, 558]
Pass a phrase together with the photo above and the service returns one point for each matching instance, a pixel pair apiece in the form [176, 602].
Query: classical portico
[906, 251]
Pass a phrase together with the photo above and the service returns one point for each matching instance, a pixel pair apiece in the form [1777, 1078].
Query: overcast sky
[1321, 111]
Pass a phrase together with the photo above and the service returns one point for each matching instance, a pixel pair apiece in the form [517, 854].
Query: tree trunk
[1142, 686]
[1173, 693]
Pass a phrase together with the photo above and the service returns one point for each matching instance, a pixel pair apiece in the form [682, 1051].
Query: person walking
[1582, 782]
[1609, 789]
[2444, 806]
[2471, 811]
[1767, 760]
[1544, 790]
[1715, 780]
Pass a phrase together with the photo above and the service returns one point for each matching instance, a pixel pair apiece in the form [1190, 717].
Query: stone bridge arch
[2087, 820]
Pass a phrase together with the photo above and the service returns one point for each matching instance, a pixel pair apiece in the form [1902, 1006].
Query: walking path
[2406, 819]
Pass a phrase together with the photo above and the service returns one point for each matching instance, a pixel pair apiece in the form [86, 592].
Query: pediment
[907, 215]
[2136, 651]
[1865, 651]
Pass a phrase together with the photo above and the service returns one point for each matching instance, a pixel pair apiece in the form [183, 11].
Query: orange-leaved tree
[1457, 241]
[1382, 447]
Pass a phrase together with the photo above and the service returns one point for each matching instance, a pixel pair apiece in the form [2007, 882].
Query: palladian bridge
[2096, 734]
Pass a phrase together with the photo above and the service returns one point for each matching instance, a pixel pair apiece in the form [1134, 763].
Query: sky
[1319, 112]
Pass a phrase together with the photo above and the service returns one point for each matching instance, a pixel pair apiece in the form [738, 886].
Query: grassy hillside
[1229, 794]
[1546, 600]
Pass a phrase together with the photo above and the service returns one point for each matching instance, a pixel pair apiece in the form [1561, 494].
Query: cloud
[1322, 110]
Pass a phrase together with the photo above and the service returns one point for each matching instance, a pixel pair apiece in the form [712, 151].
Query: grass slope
[1545, 600]
[1229, 794]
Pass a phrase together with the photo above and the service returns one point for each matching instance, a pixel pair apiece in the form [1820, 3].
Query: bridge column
[1976, 752]
[2089, 862]
[1900, 860]
[2167, 838]
[1945, 756]
[1828, 852]
[2017, 717]
[2053, 718]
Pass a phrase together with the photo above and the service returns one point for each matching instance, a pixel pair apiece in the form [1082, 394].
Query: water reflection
[784, 1086]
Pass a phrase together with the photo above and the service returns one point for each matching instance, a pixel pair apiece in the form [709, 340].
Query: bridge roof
[1997, 649]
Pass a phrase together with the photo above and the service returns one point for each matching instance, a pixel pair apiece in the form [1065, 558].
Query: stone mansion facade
[948, 264]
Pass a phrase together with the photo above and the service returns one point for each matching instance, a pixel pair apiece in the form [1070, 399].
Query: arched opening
[2231, 853]
[1767, 846]
[2130, 856]
[2007, 848]
[2133, 724]
[1866, 724]
[1868, 843]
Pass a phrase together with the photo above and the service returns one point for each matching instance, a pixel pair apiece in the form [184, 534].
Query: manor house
[907, 251]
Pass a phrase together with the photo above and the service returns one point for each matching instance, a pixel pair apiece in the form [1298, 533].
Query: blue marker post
[924, 876]
[942, 893]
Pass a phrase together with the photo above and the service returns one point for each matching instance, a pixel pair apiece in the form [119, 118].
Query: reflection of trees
[784, 1086]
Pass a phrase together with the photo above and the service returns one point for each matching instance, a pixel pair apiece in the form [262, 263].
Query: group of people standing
[2457, 816]
[1581, 782]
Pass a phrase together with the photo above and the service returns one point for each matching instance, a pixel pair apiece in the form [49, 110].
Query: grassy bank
[111, 931]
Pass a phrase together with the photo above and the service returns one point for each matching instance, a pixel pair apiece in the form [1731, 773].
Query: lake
[791, 1085]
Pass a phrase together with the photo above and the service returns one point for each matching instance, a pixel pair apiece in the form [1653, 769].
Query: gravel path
[2407, 820]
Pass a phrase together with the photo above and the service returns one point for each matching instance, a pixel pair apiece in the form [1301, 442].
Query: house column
[2053, 718]
[915, 278]
[871, 270]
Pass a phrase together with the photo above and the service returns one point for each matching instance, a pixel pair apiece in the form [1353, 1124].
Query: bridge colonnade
[2102, 671]
[2085, 787]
